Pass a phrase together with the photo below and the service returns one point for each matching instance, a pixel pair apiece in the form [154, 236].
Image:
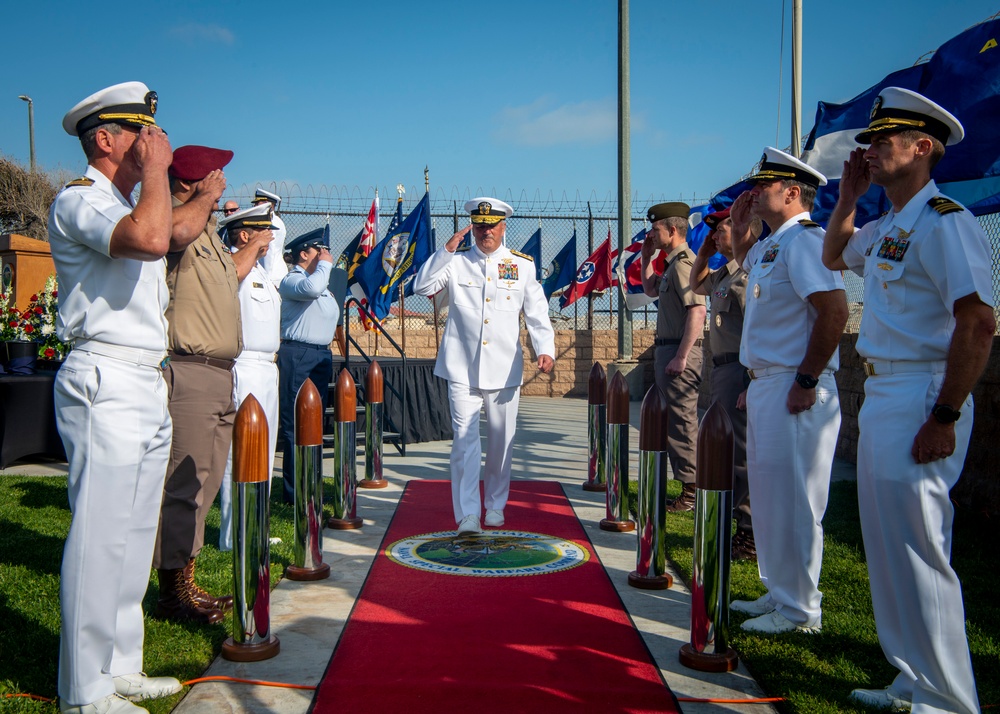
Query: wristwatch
[806, 381]
[945, 414]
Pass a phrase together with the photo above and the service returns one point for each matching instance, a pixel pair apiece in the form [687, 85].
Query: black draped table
[428, 417]
[28, 417]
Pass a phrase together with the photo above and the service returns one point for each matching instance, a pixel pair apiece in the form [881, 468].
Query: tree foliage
[25, 197]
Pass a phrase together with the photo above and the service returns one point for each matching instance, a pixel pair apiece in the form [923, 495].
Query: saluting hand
[452, 245]
[325, 256]
[545, 364]
[259, 242]
[213, 185]
[856, 179]
[151, 150]
[740, 212]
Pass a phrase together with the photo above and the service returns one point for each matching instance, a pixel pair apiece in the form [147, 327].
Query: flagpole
[624, 171]
[796, 77]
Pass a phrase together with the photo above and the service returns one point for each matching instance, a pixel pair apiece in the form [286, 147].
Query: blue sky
[515, 97]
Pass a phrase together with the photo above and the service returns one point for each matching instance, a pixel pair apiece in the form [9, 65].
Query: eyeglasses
[227, 211]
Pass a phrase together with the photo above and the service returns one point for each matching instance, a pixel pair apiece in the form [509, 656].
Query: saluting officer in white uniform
[110, 395]
[796, 310]
[926, 333]
[489, 286]
[273, 262]
[256, 369]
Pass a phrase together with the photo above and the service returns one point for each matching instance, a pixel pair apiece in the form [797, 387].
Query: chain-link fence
[593, 223]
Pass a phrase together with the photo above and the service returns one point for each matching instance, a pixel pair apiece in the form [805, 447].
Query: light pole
[31, 129]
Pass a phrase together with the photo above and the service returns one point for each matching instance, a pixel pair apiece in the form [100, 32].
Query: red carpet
[426, 641]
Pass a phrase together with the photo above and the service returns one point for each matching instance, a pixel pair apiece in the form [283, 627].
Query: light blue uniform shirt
[309, 311]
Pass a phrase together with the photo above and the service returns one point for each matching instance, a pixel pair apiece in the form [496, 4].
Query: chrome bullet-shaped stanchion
[597, 428]
[374, 403]
[651, 554]
[307, 455]
[709, 649]
[617, 458]
[252, 640]
[345, 478]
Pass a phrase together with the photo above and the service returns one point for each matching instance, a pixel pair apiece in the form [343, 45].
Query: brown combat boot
[177, 601]
[684, 502]
[203, 598]
[744, 547]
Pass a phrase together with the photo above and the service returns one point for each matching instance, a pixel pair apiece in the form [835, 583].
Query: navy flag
[561, 270]
[533, 247]
[400, 254]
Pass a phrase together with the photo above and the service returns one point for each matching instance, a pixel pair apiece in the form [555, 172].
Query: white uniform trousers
[906, 521]
[789, 459]
[115, 425]
[260, 378]
[466, 449]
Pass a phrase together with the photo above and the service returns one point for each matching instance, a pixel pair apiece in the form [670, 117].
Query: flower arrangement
[15, 325]
[36, 323]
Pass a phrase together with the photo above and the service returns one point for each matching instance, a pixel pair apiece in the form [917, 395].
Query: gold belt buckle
[869, 369]
[752, 375]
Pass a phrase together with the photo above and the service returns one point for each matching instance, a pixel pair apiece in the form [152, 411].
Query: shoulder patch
[82, 181]
[519, 254]
[809, 224]
[944, 206]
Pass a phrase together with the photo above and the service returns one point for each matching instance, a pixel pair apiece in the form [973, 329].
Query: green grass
[815, 673]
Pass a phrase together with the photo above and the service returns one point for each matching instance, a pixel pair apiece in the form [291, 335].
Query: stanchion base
[321, 572]
[618, 526]
[705, 662]
[256, 652]
[594, 486]
[373, 483]
[643, 582]
[344, 524]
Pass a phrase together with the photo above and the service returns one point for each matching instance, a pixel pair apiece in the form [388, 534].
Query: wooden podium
[25, 265]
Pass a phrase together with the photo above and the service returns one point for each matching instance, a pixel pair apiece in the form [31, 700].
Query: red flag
[368, 240]
[593, 274]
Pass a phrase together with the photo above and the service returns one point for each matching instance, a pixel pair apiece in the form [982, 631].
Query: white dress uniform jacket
[916, 264]
[111, 409]
[481, 346]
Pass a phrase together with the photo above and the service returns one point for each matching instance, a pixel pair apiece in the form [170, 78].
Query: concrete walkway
[551, 444]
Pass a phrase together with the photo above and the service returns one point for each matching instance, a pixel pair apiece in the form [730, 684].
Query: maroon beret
[193, 163]
[712, 220]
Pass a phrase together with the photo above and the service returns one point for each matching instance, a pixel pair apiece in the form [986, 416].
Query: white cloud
[543, 123]
[197, 32]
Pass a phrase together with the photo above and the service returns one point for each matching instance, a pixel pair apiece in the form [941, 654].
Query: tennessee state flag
[593, 274]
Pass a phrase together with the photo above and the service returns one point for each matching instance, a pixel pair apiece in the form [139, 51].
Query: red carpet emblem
[494, 554]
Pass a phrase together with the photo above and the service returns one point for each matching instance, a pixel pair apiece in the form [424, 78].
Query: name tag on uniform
[770, 254]
[507, 270]
[258, 285]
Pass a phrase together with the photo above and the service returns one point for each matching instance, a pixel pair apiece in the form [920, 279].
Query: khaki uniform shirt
[728, 287]
[675, 294]
[204, 310]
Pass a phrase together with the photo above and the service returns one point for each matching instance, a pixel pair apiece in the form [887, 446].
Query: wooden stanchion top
[597, 385]
[653, 421]
[251, 444]
[715, 450]
[308, 415]
[345, 398]
[617, 400]
[374, 384]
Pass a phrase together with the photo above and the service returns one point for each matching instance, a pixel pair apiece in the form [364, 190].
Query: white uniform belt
[133, 355]
[255, 356]
[768, 371]
[880, 368]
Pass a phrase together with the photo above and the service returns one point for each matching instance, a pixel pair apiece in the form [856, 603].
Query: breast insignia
[82, 181]
[519, 254]
[944, 206]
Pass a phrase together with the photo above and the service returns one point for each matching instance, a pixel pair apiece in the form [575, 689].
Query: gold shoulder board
[944, 206]
[519, 254]
[809, 224]
[82, 181]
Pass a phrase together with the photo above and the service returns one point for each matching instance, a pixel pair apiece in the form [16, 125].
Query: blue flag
[699, 231]
[400, 254]
[533, 247]
[562, 269]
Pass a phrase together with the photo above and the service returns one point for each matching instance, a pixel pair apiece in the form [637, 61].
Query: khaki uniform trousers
[203, 411]
[682, 409]
[727, 384]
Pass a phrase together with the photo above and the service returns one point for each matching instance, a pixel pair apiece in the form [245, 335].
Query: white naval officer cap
[897, 109]
[488, 210]
[261, 195]
[128, 103]
[258, 217]
[776, 165]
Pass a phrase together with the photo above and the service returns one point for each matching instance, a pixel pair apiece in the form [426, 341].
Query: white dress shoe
[760, 606]
[111, 704]
[494, 518]
[881, 699]
[469, 526]
[138, 686]
[774, 623]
